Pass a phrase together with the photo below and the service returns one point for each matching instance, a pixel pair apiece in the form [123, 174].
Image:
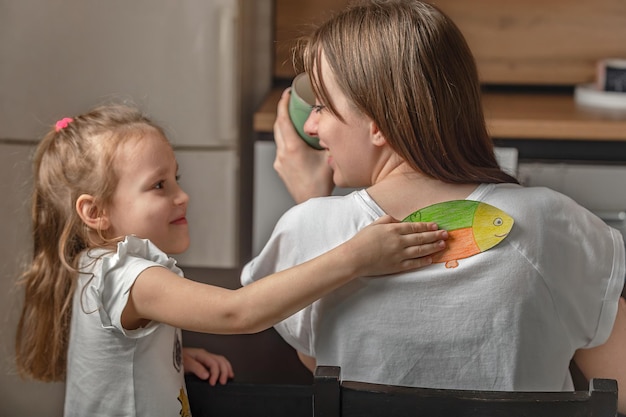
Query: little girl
[104, 304]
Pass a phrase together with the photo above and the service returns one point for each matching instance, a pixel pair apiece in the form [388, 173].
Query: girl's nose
[181, 197]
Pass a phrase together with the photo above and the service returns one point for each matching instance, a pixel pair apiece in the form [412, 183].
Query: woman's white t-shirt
[509, 318]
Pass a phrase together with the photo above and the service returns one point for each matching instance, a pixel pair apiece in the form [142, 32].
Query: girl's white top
[112, 371]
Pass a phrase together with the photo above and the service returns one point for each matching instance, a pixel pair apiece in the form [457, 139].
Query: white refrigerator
[178, 60]
[197, 67]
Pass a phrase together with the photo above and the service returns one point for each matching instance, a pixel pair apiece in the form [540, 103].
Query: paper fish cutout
[472, 226]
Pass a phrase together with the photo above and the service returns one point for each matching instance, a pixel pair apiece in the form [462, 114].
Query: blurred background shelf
[518, 115]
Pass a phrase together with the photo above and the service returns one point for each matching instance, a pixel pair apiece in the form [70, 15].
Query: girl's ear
[378, 139]
[90, 213]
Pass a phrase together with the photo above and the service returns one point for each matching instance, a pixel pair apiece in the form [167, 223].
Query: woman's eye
[317, 108]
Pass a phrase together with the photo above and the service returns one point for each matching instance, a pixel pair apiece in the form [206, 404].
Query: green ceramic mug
[300, 102]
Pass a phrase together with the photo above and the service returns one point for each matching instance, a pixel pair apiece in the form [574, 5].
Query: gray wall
[18, 398]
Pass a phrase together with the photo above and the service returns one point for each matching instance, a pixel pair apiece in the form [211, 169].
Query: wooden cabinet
[535, 116]
[525, 44]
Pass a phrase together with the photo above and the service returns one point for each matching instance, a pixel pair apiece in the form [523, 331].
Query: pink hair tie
[62, 124]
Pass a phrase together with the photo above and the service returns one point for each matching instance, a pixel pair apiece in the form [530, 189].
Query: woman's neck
[401, 191]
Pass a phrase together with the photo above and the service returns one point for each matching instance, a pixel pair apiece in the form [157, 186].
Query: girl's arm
[384, 247]
[607, 360]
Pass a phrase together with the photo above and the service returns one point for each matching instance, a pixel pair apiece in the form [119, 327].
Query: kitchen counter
[518, 115]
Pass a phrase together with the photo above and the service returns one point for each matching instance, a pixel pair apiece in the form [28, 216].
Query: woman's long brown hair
[406, 66]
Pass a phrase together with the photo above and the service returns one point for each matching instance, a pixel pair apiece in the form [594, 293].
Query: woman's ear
[91, 214]
[378, 139]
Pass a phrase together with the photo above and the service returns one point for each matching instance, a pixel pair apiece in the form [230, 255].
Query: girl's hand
[206, 365]
[304, 170]
[388, 246]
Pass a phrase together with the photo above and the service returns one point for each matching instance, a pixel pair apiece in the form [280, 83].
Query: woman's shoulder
[549, 218]
[320, 223]
[355, 205]
[539, 201]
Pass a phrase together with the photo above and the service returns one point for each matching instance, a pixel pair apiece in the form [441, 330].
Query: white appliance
[180, 61]
[198, 67]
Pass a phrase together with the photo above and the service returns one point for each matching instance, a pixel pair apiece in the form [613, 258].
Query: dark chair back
[335, 398]
[237, 399]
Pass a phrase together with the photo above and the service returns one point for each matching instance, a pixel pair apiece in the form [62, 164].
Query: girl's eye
[159, 185]
[177, 178]
[317, 108]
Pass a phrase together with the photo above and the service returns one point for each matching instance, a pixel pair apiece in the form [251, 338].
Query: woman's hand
[388, 246]
[304, 170]
[207, 366]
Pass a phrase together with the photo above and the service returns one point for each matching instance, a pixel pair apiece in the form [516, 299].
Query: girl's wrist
[349, 260]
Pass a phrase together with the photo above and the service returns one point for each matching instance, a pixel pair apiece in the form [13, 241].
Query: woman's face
[348, 143]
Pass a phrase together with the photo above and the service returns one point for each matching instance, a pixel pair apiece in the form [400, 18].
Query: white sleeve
[584, 268]
[302, 233]
[118, 275]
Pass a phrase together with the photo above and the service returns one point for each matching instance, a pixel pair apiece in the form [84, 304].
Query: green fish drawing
[472, 226]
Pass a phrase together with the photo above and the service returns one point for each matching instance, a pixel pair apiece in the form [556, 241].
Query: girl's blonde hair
[74, 158]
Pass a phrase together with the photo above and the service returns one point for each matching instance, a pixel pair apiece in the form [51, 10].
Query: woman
[398, 112]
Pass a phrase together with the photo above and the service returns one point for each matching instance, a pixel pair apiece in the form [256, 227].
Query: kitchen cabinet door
[178, 61]
[211, 180]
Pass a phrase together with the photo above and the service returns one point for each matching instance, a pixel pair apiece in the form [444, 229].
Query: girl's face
[148, 202]
[352, 154]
